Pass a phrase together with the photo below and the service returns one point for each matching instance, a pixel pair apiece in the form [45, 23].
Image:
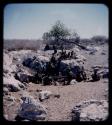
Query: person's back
[69, 74]
[72, 54]
[55, 49]
[46, 47]
[53, 59]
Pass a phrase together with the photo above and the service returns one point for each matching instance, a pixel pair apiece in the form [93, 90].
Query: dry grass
[22, 44]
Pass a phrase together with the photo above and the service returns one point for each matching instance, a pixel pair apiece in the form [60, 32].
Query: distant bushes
[95, 40]
[22, 44]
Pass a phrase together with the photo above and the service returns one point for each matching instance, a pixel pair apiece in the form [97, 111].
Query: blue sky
[30, 21]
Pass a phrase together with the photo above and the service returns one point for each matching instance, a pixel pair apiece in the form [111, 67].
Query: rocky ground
[61, 100]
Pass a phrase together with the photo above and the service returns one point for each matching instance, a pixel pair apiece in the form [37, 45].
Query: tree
[59, 31]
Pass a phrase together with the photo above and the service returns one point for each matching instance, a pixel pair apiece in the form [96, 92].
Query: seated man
[46, 47]
[95, 76]
[70, 75]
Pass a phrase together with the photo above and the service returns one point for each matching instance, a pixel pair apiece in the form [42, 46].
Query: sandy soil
[59, 109]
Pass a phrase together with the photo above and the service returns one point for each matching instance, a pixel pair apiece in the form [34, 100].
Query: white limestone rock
[44, 95]
[92, 110]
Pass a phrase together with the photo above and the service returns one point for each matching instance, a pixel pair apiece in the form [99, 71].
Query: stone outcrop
[12, 84]
[91, 110]
[31, 110]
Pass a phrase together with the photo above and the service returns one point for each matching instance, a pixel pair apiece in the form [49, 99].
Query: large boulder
[73, 64]
[31, 110]
[36, 63]
[103, 71]
[44, 95]
[12, 84]
[22, 77]
[92, 110]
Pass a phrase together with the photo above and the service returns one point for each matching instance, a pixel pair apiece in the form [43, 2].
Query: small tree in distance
[59, 31]
[46, 37]
[59, 34]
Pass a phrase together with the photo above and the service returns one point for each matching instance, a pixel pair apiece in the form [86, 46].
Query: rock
[5, 116]
[7, 59]
[56, 83]
[92, 110]
[92, 49]
[31, 110]
[44, 95]
[12, 84]
[36, 63]
[11, 98]
[5, 91]
[22, 85]
[22, 77]
[92, 53]
[65, 63]
[104, 72]
[97, 67]
[73, 82]
[103, 53]
[38, 90]
[80, 58]
[75, 49]
[57, 95]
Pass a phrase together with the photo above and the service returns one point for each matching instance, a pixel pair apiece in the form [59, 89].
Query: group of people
[53, 69]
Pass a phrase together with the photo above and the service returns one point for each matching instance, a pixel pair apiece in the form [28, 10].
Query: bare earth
[59, 108]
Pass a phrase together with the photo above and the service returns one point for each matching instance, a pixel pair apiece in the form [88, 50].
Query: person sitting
[68, 56]
[95, 76]
[55, 49]
[69, 74]
[72, 54]
[46, 47]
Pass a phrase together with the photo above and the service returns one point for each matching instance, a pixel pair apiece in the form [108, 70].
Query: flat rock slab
[31, 110]
[92, 110]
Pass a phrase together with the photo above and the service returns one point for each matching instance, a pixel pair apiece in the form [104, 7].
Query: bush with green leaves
[57, 32]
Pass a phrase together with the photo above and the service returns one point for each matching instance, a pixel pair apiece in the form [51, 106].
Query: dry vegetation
[22, 44]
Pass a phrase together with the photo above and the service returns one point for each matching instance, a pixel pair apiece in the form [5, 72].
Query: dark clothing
[53, 60]
[47, 80]
[69, 74]
[46, 47]
[95, 77]
[55, 49]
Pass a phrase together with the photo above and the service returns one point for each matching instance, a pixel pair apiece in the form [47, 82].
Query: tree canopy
[58, 31]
